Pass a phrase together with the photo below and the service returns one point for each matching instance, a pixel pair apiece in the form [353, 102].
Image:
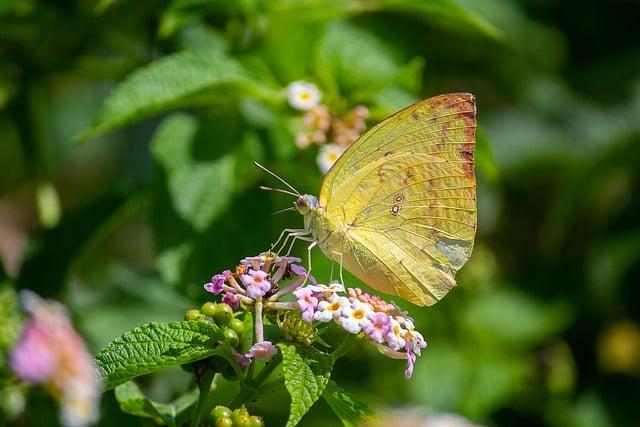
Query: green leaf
[133, 401]
[154, 346]
[306, 374]
[352, 60]
[512, 318]
[199, 190]
[178, 80]
[351, 411]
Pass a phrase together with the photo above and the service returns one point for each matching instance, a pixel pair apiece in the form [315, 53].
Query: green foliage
[347, 407]
[125, 228]
[133, 401]
[306, 374]
[178, 80]
[154, 346]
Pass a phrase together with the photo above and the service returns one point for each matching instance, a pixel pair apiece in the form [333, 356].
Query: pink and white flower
[263, 350]
[332, 309]
[256, 283]
[355, 317]
[307, 303]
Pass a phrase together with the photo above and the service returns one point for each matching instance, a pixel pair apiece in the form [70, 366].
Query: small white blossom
[328, 155]
[328, 310]
[303, 95]
[356, 317]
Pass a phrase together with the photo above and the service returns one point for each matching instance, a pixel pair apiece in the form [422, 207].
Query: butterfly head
[305, 203]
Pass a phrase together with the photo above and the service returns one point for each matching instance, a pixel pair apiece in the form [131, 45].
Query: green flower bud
[242, 421]
[231, 337]
[224, 422]
[208, 308]
[255, 421]
[223, 313]
[221, 412]
[237, 325]
[239, 413]
[193, 314]
[295, 329]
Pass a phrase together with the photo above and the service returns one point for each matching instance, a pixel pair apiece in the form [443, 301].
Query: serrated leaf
[200, 193]
[351, 411]
[174, 81]
[154, 346]
[306, 374]
[360, 63]
[133, 401]
[171, 144]
[199, 190]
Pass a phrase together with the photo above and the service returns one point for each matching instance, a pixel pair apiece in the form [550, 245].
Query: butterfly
[398, 208]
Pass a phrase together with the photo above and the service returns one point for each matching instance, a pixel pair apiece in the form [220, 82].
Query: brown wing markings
[405, 186]
[415, 142]
[382, 125]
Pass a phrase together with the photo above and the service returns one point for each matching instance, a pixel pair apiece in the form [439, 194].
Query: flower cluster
[50, 352]
[332, 132]
[256, 277]
[259, 283]
[358, 312]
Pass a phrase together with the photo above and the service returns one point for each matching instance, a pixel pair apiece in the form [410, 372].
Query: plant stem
[248, 391]
[345, 346]
[205, 388]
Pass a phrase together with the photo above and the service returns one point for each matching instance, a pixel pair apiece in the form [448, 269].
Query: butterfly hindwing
[406, 190]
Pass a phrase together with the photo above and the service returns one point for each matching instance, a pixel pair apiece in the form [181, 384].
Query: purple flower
[50, 351]
[254, 262]
[215, 286]
[262, 350]
[379, 327]
[411, 361]
[32, 358]
[302, 272]
[256, 283]
[242, 360]
[231, 299]
[307, 303]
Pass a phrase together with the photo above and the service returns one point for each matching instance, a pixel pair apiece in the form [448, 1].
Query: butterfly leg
[298, 236]
[313, 244]
[341, 278]
[284, 233]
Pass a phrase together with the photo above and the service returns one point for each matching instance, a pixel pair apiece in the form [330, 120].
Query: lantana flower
[263, 350]
[327, 156]
[303, 95]
[268, 281]
[50, 352]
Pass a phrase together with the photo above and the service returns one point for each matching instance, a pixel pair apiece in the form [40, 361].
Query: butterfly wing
[405, 194]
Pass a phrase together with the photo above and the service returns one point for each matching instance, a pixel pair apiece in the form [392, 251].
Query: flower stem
[257, 322]
[205, 388]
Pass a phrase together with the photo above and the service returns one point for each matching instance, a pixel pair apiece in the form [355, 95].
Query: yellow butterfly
[398, 208]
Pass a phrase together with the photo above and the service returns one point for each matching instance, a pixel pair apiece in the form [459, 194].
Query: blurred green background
[121, 194]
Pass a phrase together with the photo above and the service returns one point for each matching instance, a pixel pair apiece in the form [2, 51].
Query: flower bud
[255, 421]
[208, 308]
[295, 329]
[193, 314]
[222, 314]
[231, 337]
[224, 422]
[239, 413]
[237, 325]
[220, 412]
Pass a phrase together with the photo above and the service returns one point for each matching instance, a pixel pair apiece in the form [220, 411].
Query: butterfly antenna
[277, 177]
[279, 190]
[283, 210]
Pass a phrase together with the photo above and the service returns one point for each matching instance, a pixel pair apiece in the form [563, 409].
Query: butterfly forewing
[406, 191]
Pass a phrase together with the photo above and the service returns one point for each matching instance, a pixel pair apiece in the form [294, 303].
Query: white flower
[328, 155]
[395, 337]
[356, 317]
[331, 309]
[303, 95]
